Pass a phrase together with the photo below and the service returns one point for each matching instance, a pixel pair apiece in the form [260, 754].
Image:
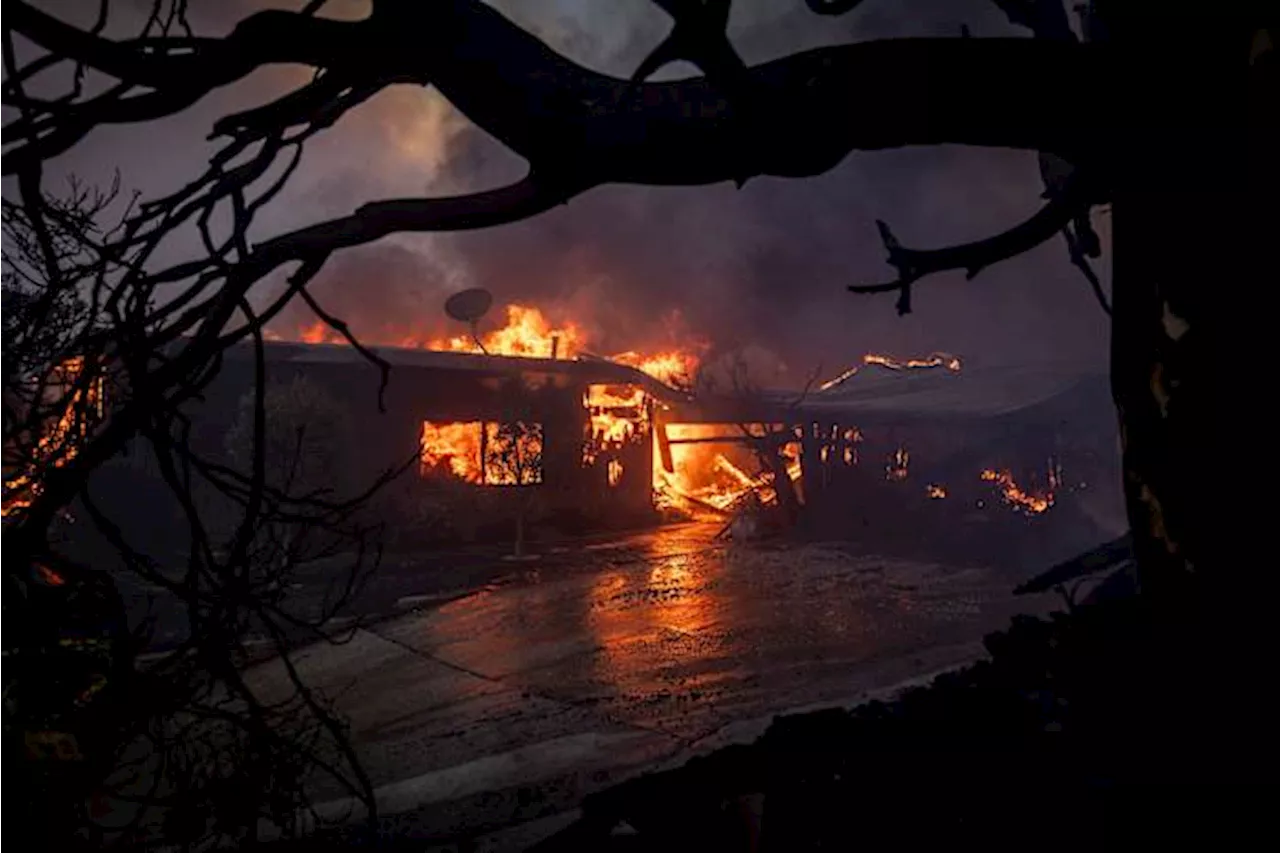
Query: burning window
[483, 452]
[617, 415]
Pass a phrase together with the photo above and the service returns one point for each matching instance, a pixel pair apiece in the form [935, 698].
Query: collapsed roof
[977, 393]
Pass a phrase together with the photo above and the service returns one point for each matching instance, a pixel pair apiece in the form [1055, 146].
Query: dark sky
[763, 266]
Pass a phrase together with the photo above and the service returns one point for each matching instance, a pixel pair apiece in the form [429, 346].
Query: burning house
[1004, 463]
[525, 425]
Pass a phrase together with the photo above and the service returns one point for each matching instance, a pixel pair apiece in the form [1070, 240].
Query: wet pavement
[597, 660]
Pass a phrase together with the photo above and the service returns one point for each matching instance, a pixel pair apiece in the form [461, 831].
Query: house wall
[388, 439]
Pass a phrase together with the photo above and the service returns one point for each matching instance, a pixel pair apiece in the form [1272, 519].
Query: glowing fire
[618, 414]
[1016, 497]
[896, 470]
[487, 453]
[454, 447]
[60, 443]
[933, 360]
[705, 477]
[527, 334]
[936, 492]
[674, 368]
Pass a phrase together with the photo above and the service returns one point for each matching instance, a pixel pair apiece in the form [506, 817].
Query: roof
[587, 369]
[931, 393]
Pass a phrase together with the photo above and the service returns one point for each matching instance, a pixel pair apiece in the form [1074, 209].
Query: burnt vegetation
[108, 338]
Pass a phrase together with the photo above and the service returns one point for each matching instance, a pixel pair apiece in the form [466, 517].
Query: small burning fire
[60, 442]
[935, 491]
[1015, 496]
[896, 470]
[934, 360]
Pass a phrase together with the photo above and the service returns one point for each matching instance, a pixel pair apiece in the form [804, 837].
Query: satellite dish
[469, 306]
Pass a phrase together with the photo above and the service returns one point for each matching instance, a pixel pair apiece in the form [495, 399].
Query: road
[596, 661]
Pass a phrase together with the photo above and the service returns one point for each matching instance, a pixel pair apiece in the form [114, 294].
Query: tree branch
[914, 264]
[552, 111]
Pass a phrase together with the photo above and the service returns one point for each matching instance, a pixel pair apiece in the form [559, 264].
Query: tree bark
[1183, 211]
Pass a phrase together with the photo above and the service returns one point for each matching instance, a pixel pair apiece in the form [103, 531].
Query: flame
[60, 443]
[487, 453]
[935, 491]
[454, 447]
[1016, 497]
[319, 333]
[675, 368]
[933, 360]
[618, 414]
[896, 470]
[705, 478]
[527, 334]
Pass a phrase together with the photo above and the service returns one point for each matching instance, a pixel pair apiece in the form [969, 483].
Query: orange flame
[933, 360]
[452, 447]
[60, 443]
[704, 478]
[896, 470]
[936, 492]
[527, 334]
[675, 368]
[487, 453]
[1016, 497]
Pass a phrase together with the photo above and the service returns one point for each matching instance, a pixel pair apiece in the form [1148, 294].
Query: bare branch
[913, 264]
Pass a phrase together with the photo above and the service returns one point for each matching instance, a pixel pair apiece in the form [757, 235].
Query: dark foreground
[510, 704]
[1117, 726]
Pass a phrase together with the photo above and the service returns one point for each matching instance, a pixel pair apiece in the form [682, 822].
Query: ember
[896, 470]
[1016, 497]
[934, 360]
[60, 442]
[936, 492]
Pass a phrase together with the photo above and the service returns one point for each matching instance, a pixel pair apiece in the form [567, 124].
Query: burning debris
[59, 441]
[934, 360]
[935, 492]
[705, 480]
[1016, 497]
[896, 470]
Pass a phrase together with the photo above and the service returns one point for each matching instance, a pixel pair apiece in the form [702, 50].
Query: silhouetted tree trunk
[1184, 208]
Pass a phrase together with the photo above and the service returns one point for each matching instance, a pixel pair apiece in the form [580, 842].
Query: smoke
[763, 268]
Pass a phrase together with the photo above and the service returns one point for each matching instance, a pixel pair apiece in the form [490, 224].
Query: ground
[597, 661]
